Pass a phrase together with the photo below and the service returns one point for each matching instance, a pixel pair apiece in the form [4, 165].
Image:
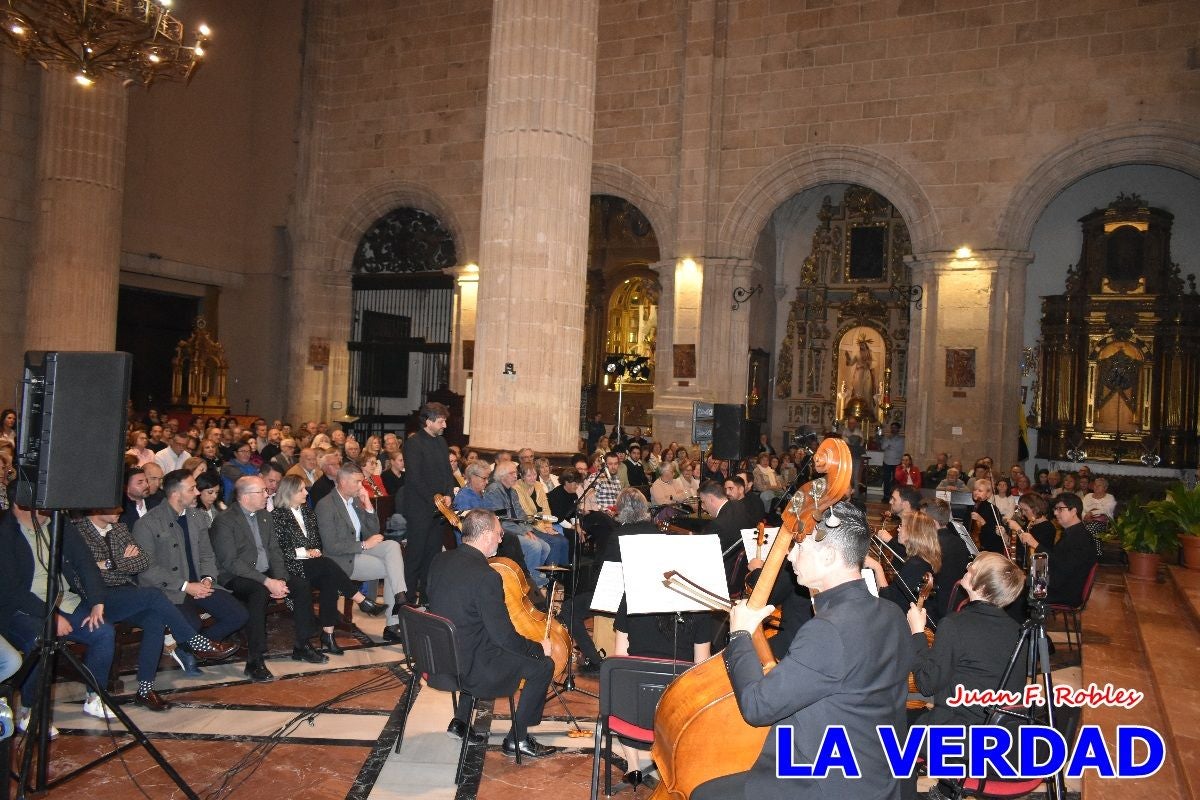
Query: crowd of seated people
[259, 496]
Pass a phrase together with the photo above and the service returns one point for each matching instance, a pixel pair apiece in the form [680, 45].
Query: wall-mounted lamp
[963, 252]
[741, 295]
[509, 369]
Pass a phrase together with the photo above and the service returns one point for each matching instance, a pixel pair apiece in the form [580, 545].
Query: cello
[528, 619]
[699, 732]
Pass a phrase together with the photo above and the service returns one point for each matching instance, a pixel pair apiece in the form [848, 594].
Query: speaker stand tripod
[45, 656]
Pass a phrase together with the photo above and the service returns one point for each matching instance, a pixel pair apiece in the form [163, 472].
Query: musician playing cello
[847, 666]
[494, 657]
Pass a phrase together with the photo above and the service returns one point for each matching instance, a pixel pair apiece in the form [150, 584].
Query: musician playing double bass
[494, 658]
[847, 666]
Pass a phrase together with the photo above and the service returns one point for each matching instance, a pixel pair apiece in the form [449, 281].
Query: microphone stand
[568, 684]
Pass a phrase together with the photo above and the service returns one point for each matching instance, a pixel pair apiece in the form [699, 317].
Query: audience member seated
[302, 548]
[136, 442]
[330, 461]
[906, 474]
[767, 482]
[935, 473]
[502, 498]
[172, 457]
[208, 500]
[250, 564]
[350, 528]
[535, 505]
[137, 500]
[1099, 507]
[239, 466]
[307, 467]
[1003, 498]
[952, 482]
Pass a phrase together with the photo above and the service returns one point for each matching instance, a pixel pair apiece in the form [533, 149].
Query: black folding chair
[630, 689]
[431, 653]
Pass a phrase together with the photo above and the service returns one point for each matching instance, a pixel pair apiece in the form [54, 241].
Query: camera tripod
[1034, 637]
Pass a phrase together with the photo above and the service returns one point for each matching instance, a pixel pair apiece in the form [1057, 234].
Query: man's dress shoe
[370, 607]
[392, 633]
[529, 747]
[307, 653]
[258, 673]
[151, 700]
[457, 728]
[214, 651]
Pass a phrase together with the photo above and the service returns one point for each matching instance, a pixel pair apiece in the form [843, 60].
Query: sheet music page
[648, 556]
[610, 588]
[750, 541]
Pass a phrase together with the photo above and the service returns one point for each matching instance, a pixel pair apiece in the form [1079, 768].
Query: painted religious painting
[960, 368]
[861, 361]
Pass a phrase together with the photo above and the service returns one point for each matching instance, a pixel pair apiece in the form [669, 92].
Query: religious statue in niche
[860, 363]
[1119, 366]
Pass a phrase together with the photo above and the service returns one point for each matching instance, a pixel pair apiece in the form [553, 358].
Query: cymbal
[553, 568]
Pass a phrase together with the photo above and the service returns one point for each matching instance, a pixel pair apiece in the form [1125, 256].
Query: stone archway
[620, 182]
[829, 164]
[1164, 144]
[374, 203]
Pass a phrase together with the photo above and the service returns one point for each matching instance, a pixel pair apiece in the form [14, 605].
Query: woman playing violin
[922, 553]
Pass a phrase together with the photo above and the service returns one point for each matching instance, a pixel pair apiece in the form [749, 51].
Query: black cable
[257, 755]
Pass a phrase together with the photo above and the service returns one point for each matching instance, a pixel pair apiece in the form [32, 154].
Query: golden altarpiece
[1120, 350]
[844, 352]
[199, 373]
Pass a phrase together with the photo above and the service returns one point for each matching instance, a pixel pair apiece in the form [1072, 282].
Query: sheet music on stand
[610, 588]
[750, 541]
[647, 557]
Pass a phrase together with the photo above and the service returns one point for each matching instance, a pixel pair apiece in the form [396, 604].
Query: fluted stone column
[71, 299]
[968, 303]
[537, 163]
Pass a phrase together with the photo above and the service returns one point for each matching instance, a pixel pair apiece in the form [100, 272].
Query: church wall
[638, 89]
[965, 100]
[18, 142]
[209, 180]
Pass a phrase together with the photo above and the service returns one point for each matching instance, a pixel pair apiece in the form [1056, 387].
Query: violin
[915, 702]
[699, 732]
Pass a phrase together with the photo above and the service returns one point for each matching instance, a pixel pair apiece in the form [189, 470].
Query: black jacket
[16, 571]
[426, 473]
[465, 589]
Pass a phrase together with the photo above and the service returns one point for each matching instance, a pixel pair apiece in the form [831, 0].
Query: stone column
[974, 303]
[71, 301]
[725, 337]
[466, 300]
[537, 164]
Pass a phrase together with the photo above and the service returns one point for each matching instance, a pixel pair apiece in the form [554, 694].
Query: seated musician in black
[972, 648]
[847, 666]
[992, 530]
[918, 533]
[1074, 554]
[1038, 533]
[494, 657]
[728, 520]
[955, 558]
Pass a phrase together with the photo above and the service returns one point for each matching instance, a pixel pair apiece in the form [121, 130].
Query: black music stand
[45, 655]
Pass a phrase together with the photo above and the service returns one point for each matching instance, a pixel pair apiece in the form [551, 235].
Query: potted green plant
[1180, 511]
[1143, 536]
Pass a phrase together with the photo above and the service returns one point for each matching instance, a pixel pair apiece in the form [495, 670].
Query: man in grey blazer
[250, 564]
[173, 536]
[350, 531]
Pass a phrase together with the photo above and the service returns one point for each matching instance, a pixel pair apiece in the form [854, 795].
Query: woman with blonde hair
[917, 535]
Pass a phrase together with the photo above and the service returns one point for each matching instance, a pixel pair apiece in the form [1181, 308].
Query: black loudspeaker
[734, 436]
[71, 433]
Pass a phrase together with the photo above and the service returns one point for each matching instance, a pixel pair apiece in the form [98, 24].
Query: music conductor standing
[847, 666]
[494, 658]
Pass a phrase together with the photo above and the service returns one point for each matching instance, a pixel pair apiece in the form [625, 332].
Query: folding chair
[630, 689]
[429, 647]
[1070, 614]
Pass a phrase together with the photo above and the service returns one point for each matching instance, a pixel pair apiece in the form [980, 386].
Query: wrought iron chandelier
[135, 41]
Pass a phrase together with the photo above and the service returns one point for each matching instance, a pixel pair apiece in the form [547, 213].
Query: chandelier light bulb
[199, 51]
[16, 29]
[83, 80]
[204, 29]
[153, 58]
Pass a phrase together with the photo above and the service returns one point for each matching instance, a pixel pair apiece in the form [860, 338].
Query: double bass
[699, 732]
